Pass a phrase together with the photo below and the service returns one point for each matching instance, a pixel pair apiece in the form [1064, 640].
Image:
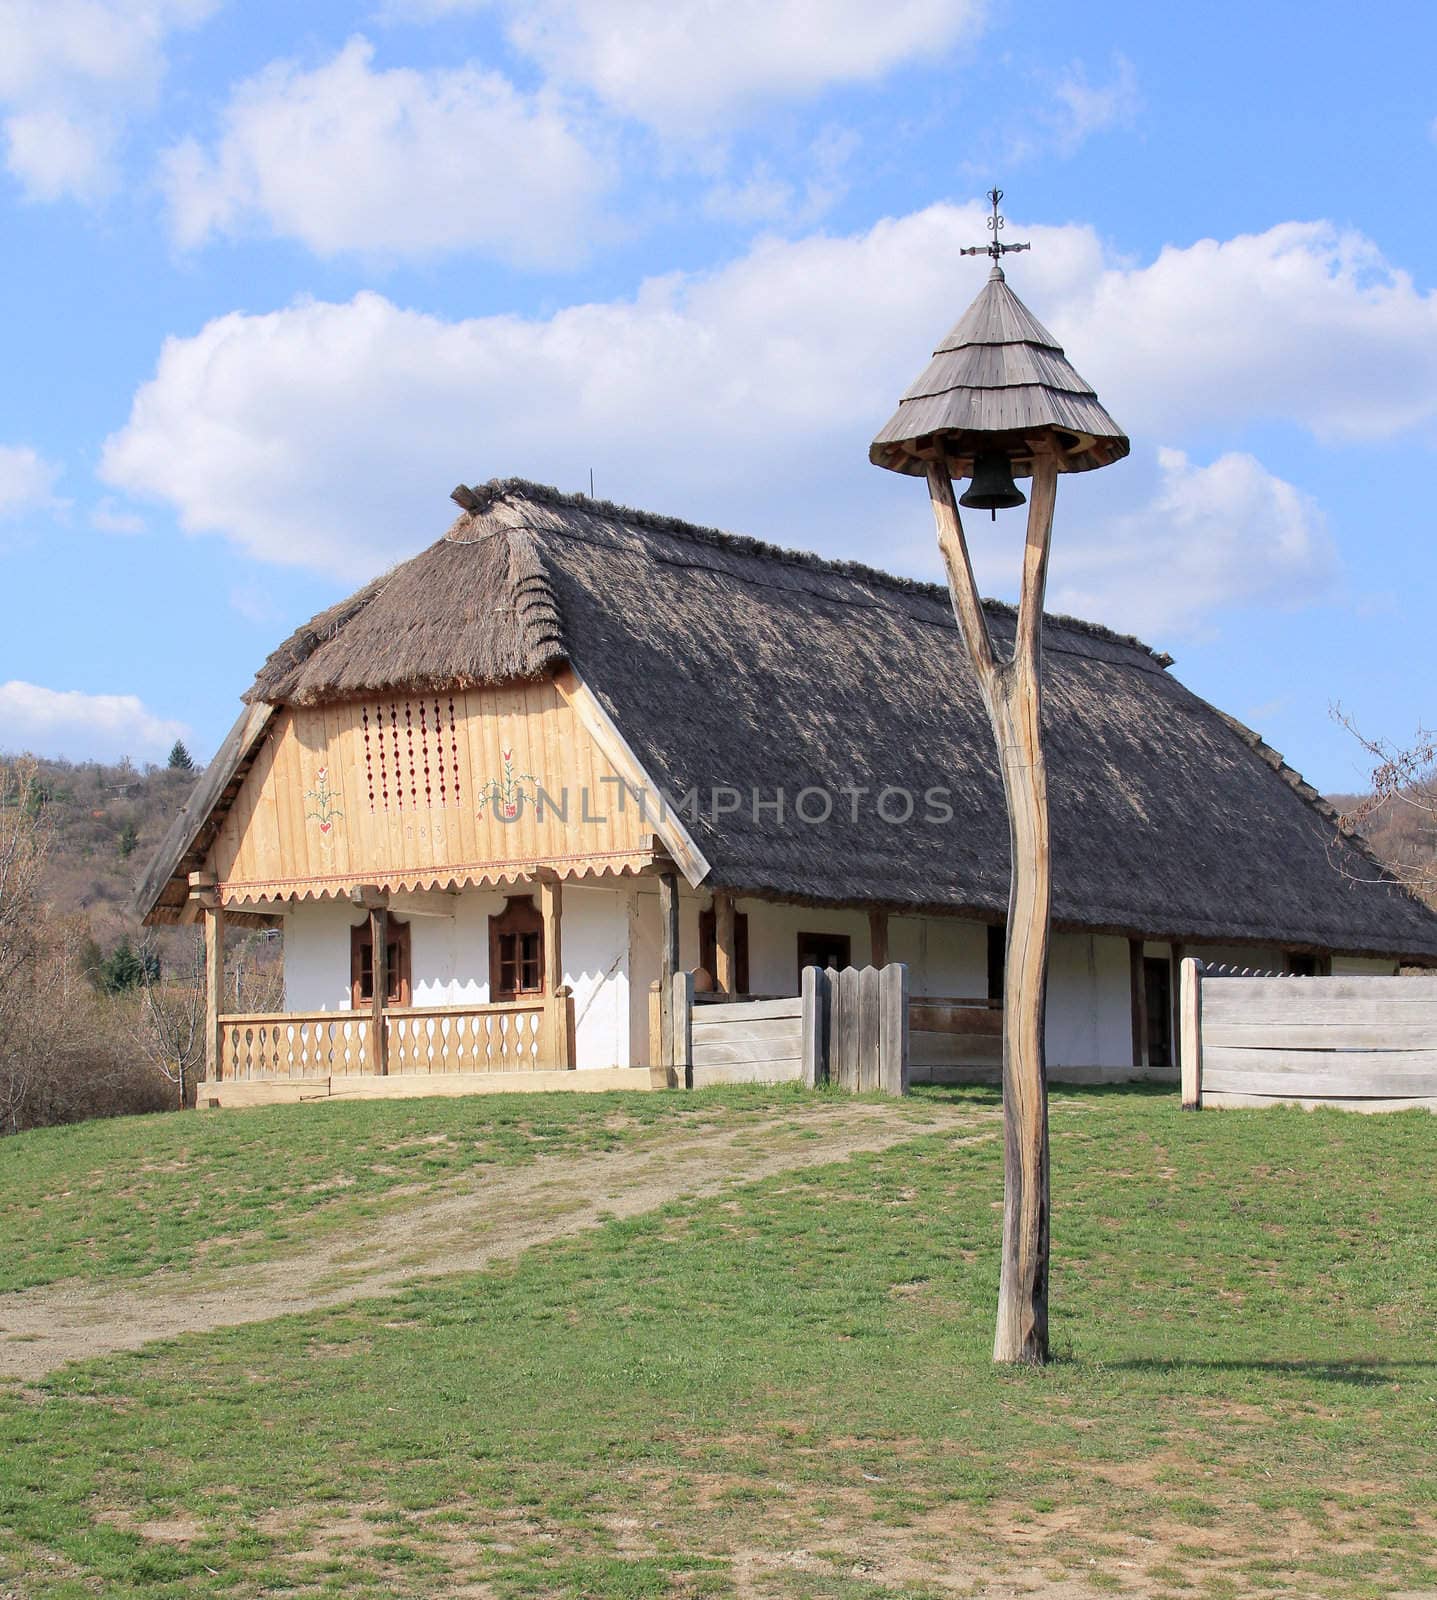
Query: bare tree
[25, 976]
[170, 1023]
[1398, 818]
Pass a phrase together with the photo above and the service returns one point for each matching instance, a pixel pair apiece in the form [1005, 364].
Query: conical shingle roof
[999, 379]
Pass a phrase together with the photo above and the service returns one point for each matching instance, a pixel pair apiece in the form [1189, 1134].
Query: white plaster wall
[945, 956]
[596, 967]
[449, 951]
[773, 940]
[1362, 967]
[1090, 1017]
[316, 954]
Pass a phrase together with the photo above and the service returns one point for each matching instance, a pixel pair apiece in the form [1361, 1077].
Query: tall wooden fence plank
[893, 1024]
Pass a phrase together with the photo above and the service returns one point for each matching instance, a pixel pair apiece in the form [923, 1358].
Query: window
[708, 947]
[516, 950]
[997, 959]
[824, 950]
[361, 964]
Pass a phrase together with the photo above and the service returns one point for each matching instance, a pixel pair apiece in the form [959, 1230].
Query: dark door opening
[1158, 998]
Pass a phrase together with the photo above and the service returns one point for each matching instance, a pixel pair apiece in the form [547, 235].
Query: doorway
[1158, 1007]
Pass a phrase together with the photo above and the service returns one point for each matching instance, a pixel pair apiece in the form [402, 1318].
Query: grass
[131, 1196]
[788, 1391]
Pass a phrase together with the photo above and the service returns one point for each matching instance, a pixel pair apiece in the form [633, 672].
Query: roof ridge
[699, 533]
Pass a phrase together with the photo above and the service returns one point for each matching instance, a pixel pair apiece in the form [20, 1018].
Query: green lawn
[786, 1392]
[134, 1195]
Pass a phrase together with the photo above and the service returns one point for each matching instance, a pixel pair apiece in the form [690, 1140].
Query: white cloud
[345, 158]
[69, 723]
[108, 516]
[765, 197]
[27, 481]
[687, 66]
[71, 72]
[1082, 109]
[1229, 534]
[1304, 322]
[328, 435]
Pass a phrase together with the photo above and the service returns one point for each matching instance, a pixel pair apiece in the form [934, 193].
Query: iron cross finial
[995, 246]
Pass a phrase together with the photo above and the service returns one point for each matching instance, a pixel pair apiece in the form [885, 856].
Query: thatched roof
[724, 661]
[164, 889]
[471, 609]
[999, 378]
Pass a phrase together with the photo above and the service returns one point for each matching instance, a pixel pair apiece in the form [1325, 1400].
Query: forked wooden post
[1012, 693]
[999, 401]
[1190, 1032]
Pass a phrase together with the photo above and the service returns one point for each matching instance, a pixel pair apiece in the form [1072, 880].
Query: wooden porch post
[878, 938]
[668, 963]
[1178, 955]
[725, 944]
[214, 989]
[551, 905]
[379, 939]
[1012, 693]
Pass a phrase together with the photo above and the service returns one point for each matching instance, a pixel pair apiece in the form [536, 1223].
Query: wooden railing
[524, 1036]
[497, 1038]
[295, 1044]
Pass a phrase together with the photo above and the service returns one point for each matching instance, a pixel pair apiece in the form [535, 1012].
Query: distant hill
[108, 820]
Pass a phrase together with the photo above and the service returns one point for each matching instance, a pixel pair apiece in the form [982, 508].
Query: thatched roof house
[725, 662]
[388, 797]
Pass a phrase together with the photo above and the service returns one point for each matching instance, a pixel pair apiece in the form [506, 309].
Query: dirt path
[496, 1219]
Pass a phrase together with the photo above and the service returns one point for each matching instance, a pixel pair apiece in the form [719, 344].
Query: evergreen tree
[126, 968]
[129, 838]
[180, 758]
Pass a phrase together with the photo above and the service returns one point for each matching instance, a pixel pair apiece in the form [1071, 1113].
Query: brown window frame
[516, 947]
[808, 942]
[708, 947]
[361, 964]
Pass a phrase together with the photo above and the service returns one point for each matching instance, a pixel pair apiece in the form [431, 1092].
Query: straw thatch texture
[999, 378]
[729, 663]
[475, 608]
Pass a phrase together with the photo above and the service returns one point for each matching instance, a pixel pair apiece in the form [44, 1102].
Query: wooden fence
[955, 1040]
[1365, 1044]
[849, 1028]
[746, 1041]
[856, 1028]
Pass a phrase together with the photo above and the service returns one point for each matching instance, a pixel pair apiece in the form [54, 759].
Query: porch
[264, 1057]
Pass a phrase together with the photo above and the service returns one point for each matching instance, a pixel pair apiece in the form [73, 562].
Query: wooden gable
[423, 791]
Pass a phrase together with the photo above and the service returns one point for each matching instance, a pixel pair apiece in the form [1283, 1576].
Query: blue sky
[276, 278]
